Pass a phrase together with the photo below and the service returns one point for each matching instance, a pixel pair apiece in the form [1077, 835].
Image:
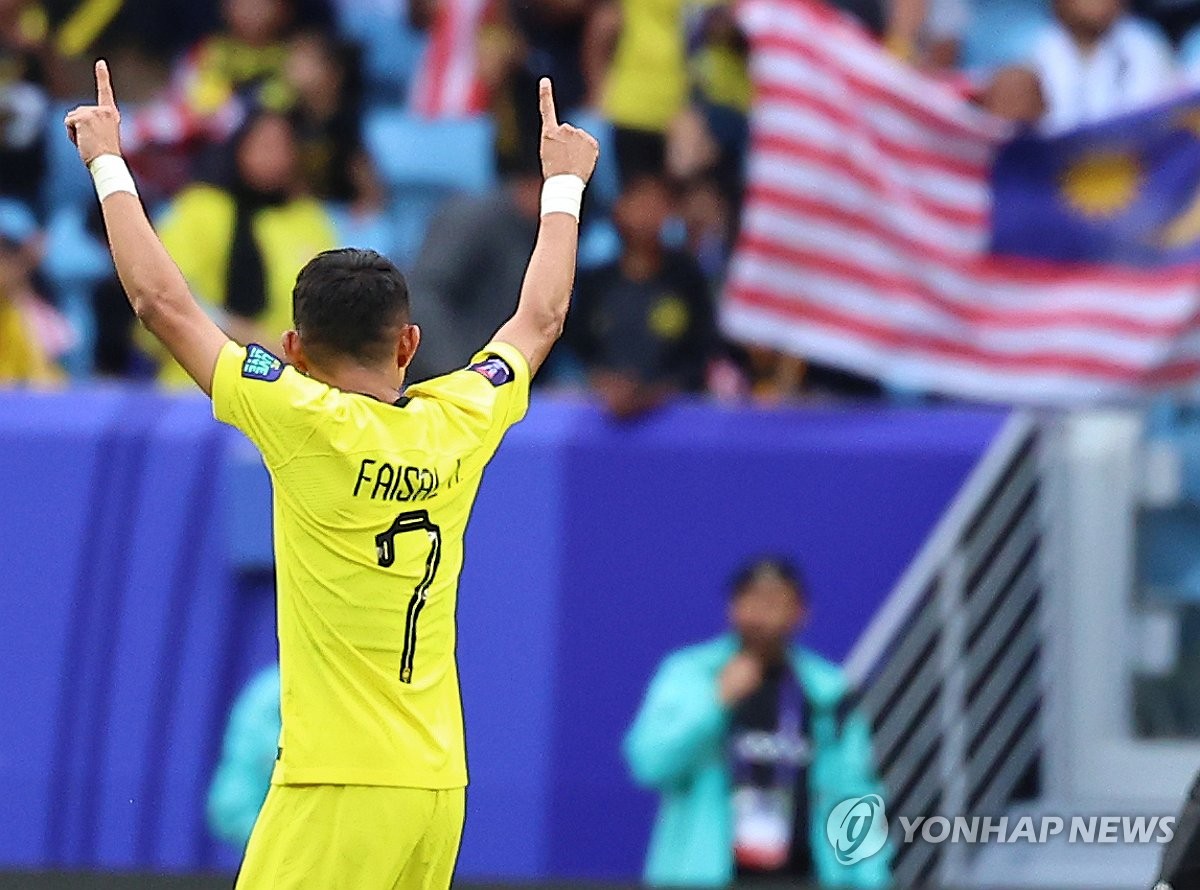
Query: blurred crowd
[263, 131]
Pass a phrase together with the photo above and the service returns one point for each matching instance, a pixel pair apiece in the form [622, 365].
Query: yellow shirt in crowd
[649, 80]
[198, 233]
[22, 359]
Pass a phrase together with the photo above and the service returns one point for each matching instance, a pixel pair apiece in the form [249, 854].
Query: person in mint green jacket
[752, 740]
[243, 775]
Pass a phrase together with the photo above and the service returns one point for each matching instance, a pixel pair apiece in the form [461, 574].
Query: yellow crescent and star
[1103, 183]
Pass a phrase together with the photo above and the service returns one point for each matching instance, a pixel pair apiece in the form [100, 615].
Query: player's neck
[384, 385]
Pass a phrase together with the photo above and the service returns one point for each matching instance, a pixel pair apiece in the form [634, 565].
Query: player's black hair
[762, 567]
[348, 302]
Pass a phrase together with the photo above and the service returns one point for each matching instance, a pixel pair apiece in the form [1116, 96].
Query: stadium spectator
[23, 102]
[32, 333]
[114, 353]
[635, 59]
[774, 377]
[325, 78]
[1014, 94]
[79, 30]
[710, 136]
[928, 33]
[751, 740]
[238, 67]
[552, 32]
[709, 222]
[22, 359]
[529, 40]
[673, 80]
[247, 57]
[643, 326]
[1094, 61]
[145, 35]
[243, 775]
[468, 273]
[240, 247]
[771, 377]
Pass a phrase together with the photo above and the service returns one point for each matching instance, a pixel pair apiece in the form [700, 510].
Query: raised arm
[546, 292]
[152, 282]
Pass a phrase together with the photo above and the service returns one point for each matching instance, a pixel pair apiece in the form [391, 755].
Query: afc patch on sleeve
[261, 364]
[495, 369]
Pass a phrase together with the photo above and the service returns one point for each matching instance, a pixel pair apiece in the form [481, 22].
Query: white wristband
[562, 194]
[111, 175]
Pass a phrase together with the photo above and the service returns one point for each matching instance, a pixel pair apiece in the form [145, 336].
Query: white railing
[950, 668]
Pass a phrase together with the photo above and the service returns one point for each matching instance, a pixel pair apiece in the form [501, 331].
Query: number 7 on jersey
[385, 549]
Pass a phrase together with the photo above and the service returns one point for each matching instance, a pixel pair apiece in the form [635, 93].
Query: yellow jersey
[370, 505]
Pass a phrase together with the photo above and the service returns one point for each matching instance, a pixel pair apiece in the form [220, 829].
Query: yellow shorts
[357, 837]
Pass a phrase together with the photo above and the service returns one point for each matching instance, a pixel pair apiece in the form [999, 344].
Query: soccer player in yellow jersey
[372, 492]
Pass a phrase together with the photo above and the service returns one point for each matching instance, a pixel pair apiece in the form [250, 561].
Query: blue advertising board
[135, 599]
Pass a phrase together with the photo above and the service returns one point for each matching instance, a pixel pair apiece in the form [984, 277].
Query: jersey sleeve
[276, 406]
[485, 398]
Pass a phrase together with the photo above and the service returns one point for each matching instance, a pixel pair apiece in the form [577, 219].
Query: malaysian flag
[893, 229]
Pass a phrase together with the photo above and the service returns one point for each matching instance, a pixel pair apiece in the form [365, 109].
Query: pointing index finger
[104, 91]
[546, 103]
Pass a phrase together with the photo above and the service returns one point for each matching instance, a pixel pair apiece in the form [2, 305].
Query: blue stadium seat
[391, 49]
[412, 151]
[599, 244]
[1169, 537]
[73, 264]
[374, 232]
[422, 162]
[411, 213]
[67, 183]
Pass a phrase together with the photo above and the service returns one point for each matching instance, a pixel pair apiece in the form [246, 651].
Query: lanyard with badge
[764, 815]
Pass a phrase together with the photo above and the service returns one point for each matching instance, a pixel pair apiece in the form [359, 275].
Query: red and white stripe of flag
[447, 83]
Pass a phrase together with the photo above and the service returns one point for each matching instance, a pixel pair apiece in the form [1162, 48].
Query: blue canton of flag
[1126, 191]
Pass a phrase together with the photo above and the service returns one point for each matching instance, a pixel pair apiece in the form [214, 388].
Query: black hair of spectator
[672, 187]
[639, 151]
[346, 56]
[346, 302]
[761, 568]
[218, 165]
